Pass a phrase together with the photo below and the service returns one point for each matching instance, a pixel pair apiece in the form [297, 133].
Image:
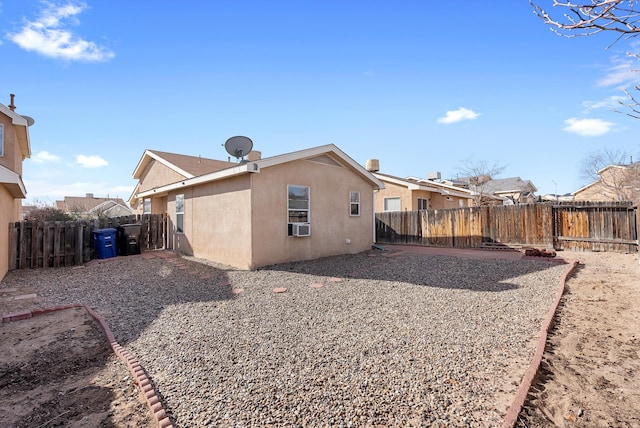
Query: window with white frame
[180, 213]
[298, 206]
[146, 206]
[392, 204]
[1, 140]
[423, 204]
[354, 203]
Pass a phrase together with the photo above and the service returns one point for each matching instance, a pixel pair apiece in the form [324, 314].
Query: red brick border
[534, 366]
[137, 371]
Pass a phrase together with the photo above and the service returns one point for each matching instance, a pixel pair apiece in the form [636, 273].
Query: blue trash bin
[105, 243]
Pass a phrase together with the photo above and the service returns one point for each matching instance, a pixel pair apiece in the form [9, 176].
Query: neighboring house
[417, 194]
[90, 207]
[297, 206]
[26, 210]
[15, 147]
[503, 191]
[615, 183]
[512, 190]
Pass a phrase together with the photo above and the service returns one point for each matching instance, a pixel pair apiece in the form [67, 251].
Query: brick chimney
[12, 107]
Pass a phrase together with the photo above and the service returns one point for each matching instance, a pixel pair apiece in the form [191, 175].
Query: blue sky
[422, 86]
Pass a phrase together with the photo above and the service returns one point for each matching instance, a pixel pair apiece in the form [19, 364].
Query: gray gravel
[412, 340]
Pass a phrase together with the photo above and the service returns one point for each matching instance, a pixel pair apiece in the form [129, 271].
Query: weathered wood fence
[575, 226]
[70, 243]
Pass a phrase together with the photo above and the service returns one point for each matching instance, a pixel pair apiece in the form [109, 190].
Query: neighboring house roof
[187, 166]
[508, 185]
[12, 182]
[90, 205]
[414, 183]
[22, 130]
[326, 154]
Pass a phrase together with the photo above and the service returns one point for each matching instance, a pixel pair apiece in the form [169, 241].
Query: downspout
[373, 213]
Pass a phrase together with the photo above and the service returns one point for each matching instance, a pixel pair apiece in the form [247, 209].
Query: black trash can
[129, 239]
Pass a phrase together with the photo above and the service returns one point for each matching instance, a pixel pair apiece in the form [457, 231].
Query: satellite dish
[238, 147]
[29, 120]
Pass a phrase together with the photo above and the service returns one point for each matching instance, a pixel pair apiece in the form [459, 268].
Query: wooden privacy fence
[70, 243]
[577, 226]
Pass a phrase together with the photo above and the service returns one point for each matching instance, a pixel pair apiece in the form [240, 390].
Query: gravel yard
[372, 339]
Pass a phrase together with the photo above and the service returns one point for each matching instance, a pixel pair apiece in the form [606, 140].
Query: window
[392, 204]
[1, 140]
[423, 204]
[354, 198]
[297, 206]
[180, 213]
[146, 206]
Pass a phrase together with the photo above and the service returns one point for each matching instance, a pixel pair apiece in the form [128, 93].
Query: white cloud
[454, 116]
[45, 157]
[608, 103]
[91, 161]
[620, 74]
[588, 127]
[48, 36]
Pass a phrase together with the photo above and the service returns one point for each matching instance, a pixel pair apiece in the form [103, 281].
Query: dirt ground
[58, 369]
[590, 374]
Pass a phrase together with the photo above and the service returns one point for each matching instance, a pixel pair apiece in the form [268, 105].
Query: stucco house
[417, 194]
[498, 191]
[297, 206]
[615, 183]
[15, 147]
[89, 206]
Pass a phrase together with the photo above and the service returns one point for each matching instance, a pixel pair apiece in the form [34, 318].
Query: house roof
[22, 130]
[89, 204]
[187, 166]
[508, 185]
[414, 183]
[12, 182]
[333, 154]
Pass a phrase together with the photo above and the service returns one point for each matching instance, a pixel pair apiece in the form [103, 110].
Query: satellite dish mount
[238, 147]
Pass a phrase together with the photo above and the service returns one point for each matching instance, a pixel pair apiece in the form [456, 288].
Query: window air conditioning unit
[301, 229]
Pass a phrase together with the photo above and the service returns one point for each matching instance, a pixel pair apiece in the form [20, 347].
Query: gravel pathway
[355, 340]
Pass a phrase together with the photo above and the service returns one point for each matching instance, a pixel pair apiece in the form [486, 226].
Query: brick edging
[534, 366]
[145, 386]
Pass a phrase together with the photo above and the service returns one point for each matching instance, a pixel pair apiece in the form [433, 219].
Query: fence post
[638, 228]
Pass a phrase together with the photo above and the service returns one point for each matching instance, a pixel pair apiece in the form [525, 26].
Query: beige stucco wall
[156, 174]
[10, 211]
[332, 226]
[392, 190]
[217, 222]
[11, 157]
[595, 193]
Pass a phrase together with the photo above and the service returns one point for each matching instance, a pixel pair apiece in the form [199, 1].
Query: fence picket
[579, 226]
[63, 244]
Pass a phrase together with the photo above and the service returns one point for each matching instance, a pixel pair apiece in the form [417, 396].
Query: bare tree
[477, 174]
[589, 17]
[616, 172]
